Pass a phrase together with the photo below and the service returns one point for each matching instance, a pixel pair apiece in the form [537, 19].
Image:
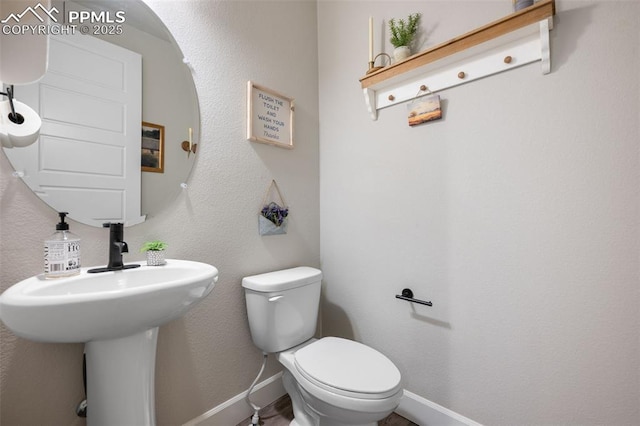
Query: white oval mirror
[117, 103]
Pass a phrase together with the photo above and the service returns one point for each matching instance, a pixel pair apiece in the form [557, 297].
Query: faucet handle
[116, 231]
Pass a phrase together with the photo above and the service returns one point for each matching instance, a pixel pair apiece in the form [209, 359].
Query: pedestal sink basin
[117, 315]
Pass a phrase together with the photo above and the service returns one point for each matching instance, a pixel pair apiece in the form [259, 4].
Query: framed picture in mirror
[152, 148]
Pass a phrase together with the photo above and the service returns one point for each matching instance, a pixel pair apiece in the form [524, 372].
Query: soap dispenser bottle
[62, 252]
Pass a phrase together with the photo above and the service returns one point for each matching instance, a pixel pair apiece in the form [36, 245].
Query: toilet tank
[282, 307]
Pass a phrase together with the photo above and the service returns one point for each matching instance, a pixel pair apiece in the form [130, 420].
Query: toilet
[331, 381]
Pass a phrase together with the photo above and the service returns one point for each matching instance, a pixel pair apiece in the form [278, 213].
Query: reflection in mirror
[93, 99]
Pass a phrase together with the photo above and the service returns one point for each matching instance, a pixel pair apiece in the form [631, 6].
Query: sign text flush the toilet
[269, 116]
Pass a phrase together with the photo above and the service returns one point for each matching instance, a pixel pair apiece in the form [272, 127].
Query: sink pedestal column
[121, 380]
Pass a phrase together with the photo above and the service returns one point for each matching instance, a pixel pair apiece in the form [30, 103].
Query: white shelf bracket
[545, 45]
[370, 100]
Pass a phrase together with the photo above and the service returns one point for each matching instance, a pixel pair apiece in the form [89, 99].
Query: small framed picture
[424, 109]
[152, 148]
[269, 117]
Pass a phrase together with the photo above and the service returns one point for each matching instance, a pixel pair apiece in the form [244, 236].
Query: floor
[279, 413]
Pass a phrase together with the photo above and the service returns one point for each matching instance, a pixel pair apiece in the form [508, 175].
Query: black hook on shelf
[407, 295]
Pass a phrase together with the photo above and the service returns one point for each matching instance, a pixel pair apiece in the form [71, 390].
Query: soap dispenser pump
[62, 251]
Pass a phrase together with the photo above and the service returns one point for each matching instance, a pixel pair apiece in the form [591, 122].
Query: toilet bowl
[331, 381]
[341, 382]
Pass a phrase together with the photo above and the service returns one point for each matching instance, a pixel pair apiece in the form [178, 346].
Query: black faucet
[116, 248]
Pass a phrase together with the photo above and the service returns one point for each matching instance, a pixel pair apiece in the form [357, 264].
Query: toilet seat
[348, 368]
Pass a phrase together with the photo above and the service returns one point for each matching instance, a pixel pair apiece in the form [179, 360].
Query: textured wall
[517, 215]
[207, 357]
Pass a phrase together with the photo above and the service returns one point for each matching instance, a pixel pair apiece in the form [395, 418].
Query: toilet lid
[349, 366]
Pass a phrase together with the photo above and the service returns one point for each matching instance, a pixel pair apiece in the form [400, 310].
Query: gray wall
[517, 214]
[207, 357]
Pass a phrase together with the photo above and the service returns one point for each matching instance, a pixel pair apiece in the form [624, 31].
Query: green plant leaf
[403, 31]
[153, 246]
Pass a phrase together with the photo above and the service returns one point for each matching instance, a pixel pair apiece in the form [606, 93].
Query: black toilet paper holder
[407, 295]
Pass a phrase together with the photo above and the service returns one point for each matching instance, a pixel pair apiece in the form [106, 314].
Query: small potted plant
[155, 252]
[403, 33]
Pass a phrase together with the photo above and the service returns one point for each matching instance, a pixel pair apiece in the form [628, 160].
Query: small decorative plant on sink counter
[155, 252]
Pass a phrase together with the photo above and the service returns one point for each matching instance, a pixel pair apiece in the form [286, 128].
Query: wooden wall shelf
[515, 40]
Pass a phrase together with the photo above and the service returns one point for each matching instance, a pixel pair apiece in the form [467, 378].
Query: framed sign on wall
[269, 116]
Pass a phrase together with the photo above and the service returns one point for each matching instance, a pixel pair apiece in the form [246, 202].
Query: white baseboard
[413, 407]
[427, 413]
[233, 411]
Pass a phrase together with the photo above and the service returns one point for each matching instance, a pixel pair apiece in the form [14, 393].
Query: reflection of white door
[88, 156]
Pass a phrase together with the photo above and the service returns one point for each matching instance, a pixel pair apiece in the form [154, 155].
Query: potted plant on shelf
[402, 35]
[155, 252]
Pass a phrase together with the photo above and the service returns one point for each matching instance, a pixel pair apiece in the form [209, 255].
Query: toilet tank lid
[282, 280]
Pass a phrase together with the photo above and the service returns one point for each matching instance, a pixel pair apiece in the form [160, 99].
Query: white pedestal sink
[117, 315]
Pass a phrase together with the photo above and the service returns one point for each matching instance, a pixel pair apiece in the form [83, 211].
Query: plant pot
[155, 258]
[401, 53]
